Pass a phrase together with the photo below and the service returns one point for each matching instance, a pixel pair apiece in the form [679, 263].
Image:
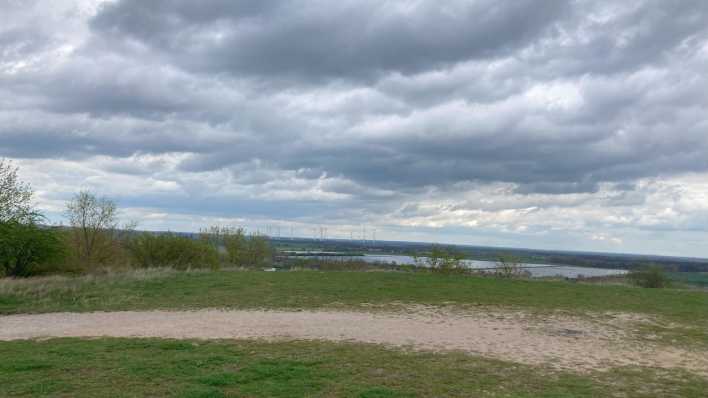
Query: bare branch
[90, 216]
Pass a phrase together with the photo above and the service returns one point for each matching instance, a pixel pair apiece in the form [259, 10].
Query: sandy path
[560, 342]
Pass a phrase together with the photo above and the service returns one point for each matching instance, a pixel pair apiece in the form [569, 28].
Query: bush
[443, 260]
[170, 250]
[651, 276]
[239, 250]
[333, 263]
[25, 247]
[235, 245]
[110, 252]
[258, 251]
[232, 241]
[508, 266]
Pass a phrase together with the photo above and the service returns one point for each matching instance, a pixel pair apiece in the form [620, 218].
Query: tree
[93, 221]
[24, 246]
[15, 196]
[23, 243]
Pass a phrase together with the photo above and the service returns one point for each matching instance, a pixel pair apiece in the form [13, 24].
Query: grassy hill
[190, 368]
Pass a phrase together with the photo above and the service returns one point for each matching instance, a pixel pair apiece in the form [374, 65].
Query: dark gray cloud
[609, 38]
[39, 135]
[319, 40]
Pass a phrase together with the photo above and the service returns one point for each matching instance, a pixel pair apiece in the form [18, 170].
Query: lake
[536, 270]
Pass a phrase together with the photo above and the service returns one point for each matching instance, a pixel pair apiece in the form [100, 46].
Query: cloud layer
[570, 125]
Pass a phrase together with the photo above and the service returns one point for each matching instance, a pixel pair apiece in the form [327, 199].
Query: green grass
[148, 367]
[309, 289]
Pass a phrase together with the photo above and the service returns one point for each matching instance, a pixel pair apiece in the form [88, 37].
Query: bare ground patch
[559, 341]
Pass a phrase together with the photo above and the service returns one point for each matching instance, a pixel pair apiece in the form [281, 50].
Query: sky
[570, 125]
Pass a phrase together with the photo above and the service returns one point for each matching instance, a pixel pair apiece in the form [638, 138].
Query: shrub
[258, 251]
[235, 246]
[25, 247]
[238, 249]
[232, 241]
[170, 250]
[442, 259]
[110, 252]
[650, 276]
[508, 266]
[333, 263]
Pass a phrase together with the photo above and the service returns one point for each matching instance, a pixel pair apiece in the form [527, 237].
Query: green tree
[24, 246]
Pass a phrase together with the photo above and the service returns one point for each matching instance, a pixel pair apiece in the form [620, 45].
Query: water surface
[536, 270]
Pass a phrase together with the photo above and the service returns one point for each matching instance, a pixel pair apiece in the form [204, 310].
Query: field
[671, 319]
[148, 367]
[163, 289]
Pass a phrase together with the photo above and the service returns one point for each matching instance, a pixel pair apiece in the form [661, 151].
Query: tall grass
[50, 289]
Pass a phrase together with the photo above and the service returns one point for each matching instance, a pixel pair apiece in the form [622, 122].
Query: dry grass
[43, 285]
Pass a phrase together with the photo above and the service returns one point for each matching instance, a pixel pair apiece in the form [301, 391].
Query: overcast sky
[573, 125]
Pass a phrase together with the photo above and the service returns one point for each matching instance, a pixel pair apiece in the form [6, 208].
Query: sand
[562, 342]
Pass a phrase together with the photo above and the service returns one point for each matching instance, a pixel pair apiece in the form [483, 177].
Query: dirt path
[561, 342]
